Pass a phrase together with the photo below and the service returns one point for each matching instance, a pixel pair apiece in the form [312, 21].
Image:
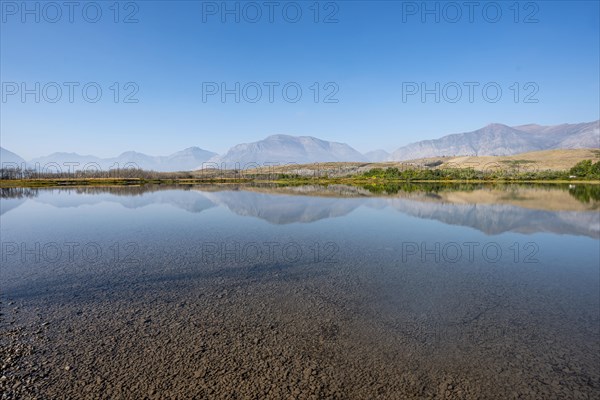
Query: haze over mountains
[493, 139]
[184, 160]
[288, 149]
[502, 140]
[377, 155]
[9, 157]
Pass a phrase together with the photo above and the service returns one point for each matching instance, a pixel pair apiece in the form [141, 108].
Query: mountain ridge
[502, 140]
[494, 139]
[278, 149]
[183, 160]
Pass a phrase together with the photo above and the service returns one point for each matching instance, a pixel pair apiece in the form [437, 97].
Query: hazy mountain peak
[8, 157]
[376, 155]
[280, 136]
[130, 153]
[194, 150]
[286, 149]
[502, 140]
[191, 149]
[494, 125]
[66, 153]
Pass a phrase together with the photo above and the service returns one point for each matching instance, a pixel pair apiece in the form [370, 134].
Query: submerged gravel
[349, 331]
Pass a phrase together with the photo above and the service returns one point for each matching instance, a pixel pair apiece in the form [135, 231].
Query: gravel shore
[303, 333]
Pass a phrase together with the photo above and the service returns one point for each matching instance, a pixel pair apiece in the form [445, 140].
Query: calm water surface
[338, 292]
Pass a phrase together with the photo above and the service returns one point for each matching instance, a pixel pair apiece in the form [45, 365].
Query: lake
[232, 291]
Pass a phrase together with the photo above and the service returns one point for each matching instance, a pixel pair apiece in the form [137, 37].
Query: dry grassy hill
[555, 160]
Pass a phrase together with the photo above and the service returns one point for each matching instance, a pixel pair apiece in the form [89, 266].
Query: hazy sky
[374, 58]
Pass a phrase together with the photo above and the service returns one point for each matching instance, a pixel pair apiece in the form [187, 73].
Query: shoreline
[74, 182]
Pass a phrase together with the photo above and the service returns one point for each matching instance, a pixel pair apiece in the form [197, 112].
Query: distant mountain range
[287, 149]
[184, 160]
[502, 140]
[8, 157]
[377, 155]
[493, 139]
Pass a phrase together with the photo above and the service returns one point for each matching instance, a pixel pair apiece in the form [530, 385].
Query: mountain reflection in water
[492, 209]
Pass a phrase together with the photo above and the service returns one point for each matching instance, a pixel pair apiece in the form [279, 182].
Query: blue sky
[372, 56]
